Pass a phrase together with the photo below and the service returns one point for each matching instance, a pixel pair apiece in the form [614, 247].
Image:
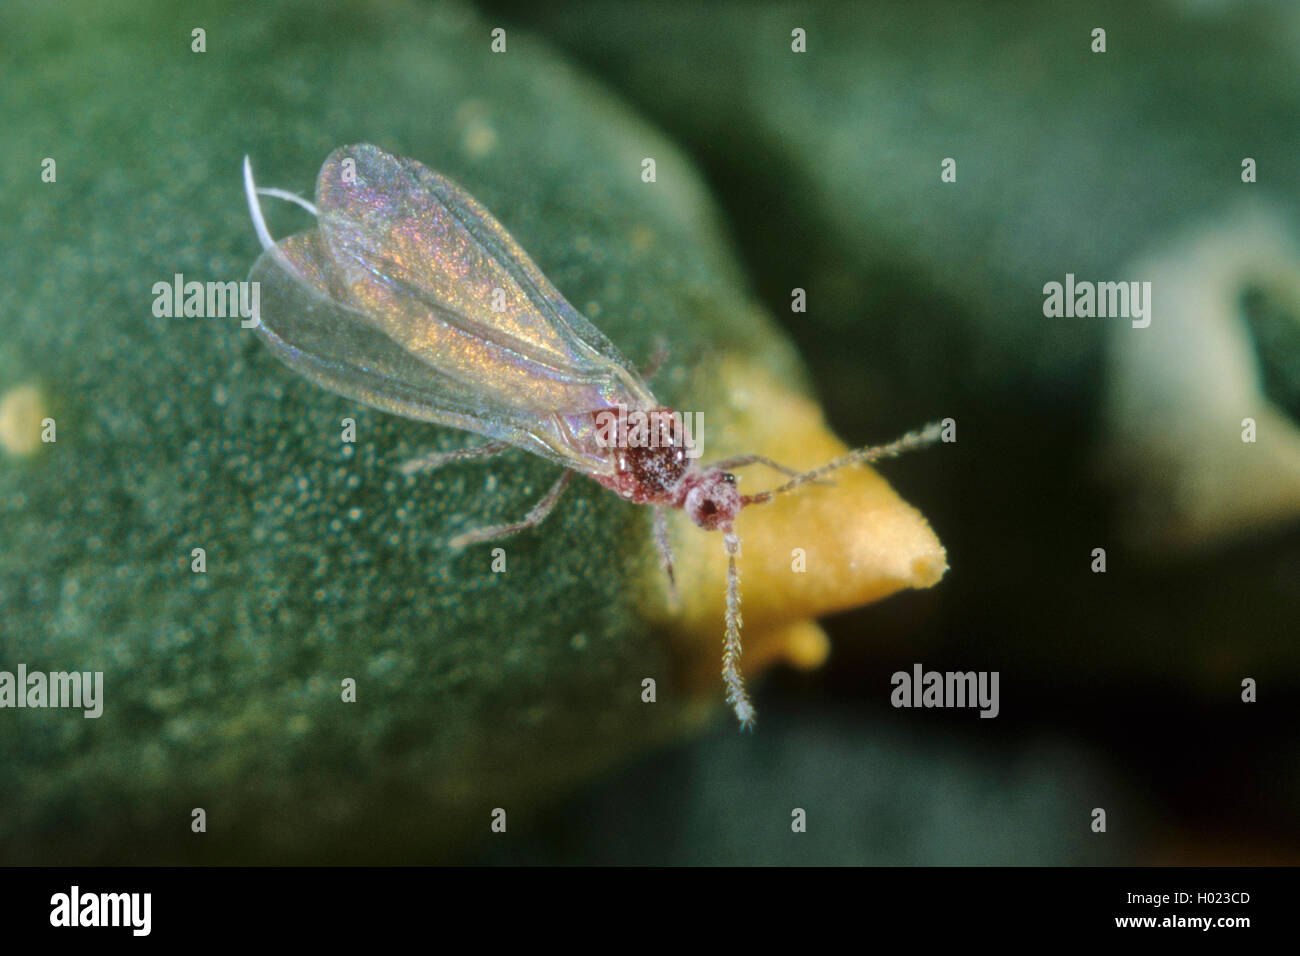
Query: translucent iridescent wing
[412, 298]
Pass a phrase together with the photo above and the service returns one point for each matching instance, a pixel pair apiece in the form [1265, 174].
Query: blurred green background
[777, 170]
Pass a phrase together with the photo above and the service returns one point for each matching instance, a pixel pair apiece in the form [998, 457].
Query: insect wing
[316, 334]
[391, 302]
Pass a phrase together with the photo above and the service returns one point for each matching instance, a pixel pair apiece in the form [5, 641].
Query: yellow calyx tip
[815, 551]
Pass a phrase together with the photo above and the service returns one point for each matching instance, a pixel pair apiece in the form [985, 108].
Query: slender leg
[531, 520]
[740, 461]
[437, 459]
[656, 361]
[666, 553]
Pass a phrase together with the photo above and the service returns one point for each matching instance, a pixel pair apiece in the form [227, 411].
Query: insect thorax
[648, 450]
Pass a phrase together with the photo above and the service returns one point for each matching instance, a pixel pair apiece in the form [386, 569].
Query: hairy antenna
[736, 695]
[909, 442]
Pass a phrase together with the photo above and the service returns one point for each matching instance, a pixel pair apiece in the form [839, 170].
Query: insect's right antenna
[861, 456]
[736, 696]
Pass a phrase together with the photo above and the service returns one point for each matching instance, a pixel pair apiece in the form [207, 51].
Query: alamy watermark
[81, 690]
[621, 427]
[1102, 300]
[922, 688]
[208, 300]
[75, 908]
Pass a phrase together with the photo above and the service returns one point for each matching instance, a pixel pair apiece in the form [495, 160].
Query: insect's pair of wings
[410, 297]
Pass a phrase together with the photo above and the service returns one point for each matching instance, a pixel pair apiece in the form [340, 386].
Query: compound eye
[728, 477]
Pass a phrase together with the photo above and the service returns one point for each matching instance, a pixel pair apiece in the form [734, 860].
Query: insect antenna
[909, 442]
[736, 696]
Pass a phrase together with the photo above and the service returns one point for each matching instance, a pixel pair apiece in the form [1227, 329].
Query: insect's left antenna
[255, 207]
[861, 456]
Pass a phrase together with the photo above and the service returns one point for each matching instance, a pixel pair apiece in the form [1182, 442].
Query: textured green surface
[476, 689]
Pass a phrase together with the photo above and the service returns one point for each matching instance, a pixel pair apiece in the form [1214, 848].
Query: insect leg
[439, 458]
[531, 520]
[656, 360]
[666, 552]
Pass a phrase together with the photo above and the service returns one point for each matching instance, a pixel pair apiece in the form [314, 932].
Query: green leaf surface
[323, 562]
